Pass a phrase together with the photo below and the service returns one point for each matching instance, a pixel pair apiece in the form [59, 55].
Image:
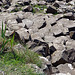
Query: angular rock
[40, 47]
[57, 58]
[57, 30]
[39, 23]
[51, 20]
[41, 3]
[46, 65]
[27, 23]
[23, 34]
[51, 9]
[69, 55]
[54, 70]
[49, 39]
[66, 69]
[69, 15]
[9, 33]
[56, 4]
[28, 15]
[70, 44]
[28, 9]
[40, 50]
[66, 23]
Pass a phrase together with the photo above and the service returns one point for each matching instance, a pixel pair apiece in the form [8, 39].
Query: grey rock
[49, 39]
[46, 65]
[9, 33]
[26, 2]
[11, 21]
[40, 47]
[57, 58]
[34, 2]
[20, 15]
[28, 15]
[37, 35]
[28, 9]
[41, 3]
[62, 74]
[23, 34]
[51, 20]
[69, 15]
[73, 64]
[15, 26]
[27, 23]
[66, 68]
[39, 23]
[11, 16]
[61, 57]
[40, 50]
[66, 23]
[51, 9]
[70, 44]
[57, 30]
[55, 70]
[69, 55]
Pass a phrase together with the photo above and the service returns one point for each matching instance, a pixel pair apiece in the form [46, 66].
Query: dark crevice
[19, 20]
[44, 24]
[71, 29]
[53, 24]
[61, 61]
[61, 34]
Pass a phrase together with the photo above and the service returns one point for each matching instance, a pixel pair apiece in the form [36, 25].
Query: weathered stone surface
[57, 58]
[69, 55]
[57, 30]
[66, 68]
[54, 70]
[27, 23]
[66, 23]
[51, 35]
[23, 34]
[41, 3]
[46, 65]
[70, 44]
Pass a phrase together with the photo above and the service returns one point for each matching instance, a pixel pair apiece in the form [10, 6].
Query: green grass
[11, 60]
[8, 64]
[16, 10]
[41, 7]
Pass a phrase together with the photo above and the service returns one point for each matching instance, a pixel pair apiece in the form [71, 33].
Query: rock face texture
[47, 27]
